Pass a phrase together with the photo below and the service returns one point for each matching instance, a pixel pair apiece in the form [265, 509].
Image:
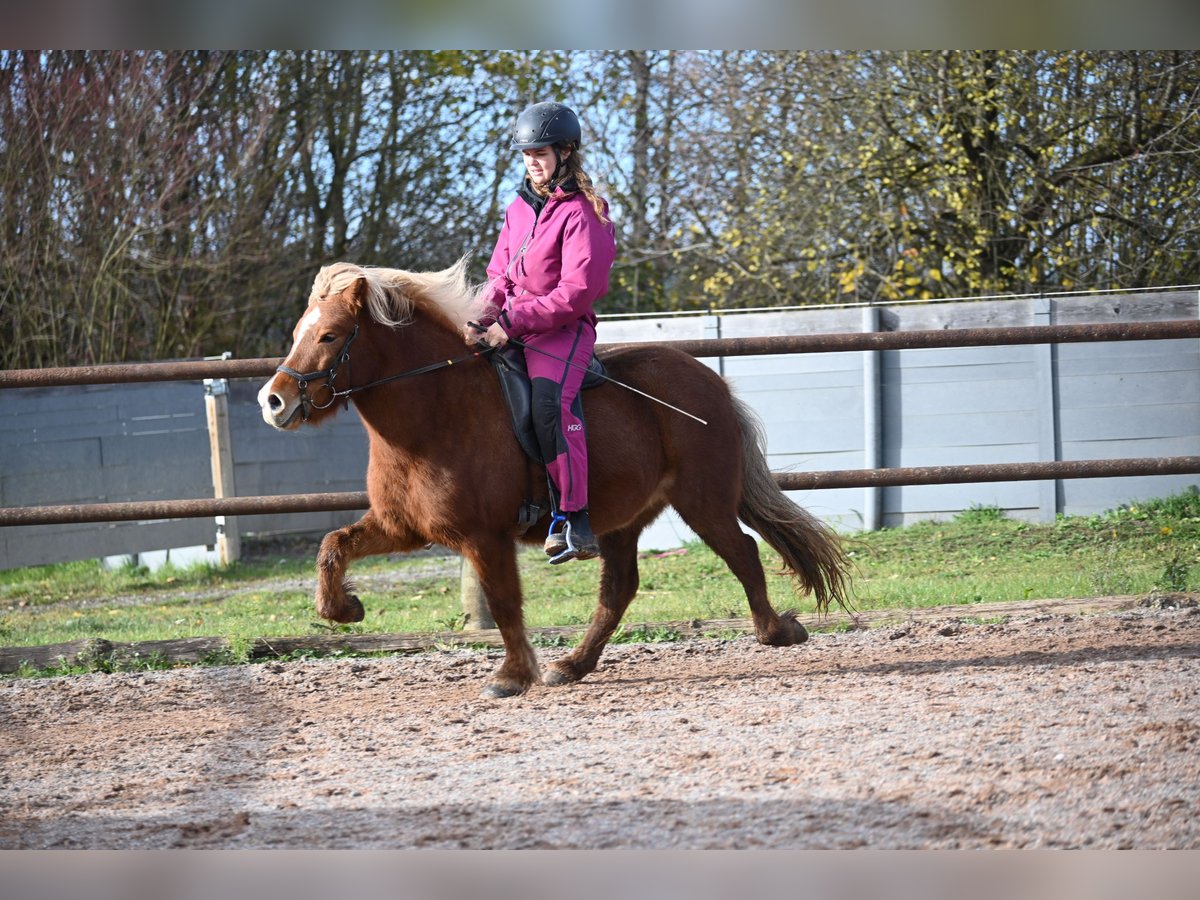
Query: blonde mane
[393, 295]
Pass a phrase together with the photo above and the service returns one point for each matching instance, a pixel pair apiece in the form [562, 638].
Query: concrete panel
[43, 544]
[1126, 423]
[976, 363]
[938, 500]
[938, 316]
[156, 481]
[49, 488]
[74, 455]
[904, 400]
[748, 374]
[1187, 445]
[142, 449]
[1149, 307]
[807, 406]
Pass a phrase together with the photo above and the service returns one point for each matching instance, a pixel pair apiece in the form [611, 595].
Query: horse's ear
[356, 294]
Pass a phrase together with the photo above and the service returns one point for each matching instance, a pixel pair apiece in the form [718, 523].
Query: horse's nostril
[275, 402]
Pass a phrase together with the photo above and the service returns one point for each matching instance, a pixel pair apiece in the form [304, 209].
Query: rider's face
[540, 163]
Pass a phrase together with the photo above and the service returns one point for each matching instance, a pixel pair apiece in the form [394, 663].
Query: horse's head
[304, 388]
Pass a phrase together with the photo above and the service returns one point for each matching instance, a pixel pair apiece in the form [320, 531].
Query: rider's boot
[580, 540]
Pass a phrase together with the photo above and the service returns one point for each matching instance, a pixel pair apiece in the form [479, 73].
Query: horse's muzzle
[277, 410]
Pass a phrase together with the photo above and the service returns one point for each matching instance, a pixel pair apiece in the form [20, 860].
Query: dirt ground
[1045, 731]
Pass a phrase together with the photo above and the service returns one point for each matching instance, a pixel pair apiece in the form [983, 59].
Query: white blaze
[308, 322]
[275, 416]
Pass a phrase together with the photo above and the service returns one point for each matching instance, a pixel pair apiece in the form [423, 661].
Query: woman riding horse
[550, 266]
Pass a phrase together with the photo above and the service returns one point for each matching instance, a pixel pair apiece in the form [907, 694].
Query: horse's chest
[421, 495]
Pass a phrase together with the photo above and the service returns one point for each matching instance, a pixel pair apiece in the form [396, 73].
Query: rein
[343, 358]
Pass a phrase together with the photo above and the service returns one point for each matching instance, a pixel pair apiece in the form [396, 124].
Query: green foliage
[1184, 506]
[977, 514]
[1176, 575]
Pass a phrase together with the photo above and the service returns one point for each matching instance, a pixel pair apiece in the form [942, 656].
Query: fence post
[712, 331]
[474, 601]
[1049, 440]
[220, 442]
[872, 423]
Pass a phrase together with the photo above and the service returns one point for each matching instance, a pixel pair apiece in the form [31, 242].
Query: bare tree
[157, 205]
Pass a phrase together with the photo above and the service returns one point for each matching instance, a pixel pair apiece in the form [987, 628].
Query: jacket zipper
[537, 217]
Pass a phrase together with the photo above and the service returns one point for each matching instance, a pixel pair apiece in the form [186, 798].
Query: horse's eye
[328, 338]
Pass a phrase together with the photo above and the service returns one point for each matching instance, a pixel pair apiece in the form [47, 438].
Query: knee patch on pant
[546, 404]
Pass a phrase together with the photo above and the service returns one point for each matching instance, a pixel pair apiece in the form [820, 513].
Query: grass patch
[980, 556]
[985, 557]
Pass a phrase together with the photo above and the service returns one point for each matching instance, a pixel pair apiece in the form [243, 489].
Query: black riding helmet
[544, 125]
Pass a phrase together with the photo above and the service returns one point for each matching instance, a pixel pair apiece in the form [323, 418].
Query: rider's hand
[495, 336]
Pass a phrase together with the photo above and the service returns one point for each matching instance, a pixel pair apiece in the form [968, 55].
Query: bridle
[329, 374]
[343, 358]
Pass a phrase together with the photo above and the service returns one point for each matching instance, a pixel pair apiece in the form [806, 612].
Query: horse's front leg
[495, 561]
[340, 548]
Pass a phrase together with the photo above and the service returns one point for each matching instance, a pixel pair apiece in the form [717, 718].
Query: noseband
[343, 357]
[303, 379]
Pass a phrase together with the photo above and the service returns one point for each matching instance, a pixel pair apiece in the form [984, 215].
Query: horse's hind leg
[740, 552]
[618, 585]
[338, 550]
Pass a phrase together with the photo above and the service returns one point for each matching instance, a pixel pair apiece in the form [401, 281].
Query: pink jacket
[547, 271]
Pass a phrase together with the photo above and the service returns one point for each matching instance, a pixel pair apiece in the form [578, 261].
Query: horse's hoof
[556, 677]
[496, 691]
[350, 611]
[787, 633]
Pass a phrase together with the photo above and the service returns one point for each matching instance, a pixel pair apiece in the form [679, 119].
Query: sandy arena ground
[1046, 731]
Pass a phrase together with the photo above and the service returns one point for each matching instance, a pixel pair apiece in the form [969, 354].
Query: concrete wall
[960, 406]
[932, 407]
[101, 444]
[112, 443]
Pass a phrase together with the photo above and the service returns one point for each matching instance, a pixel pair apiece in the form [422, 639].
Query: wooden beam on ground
[102, 653]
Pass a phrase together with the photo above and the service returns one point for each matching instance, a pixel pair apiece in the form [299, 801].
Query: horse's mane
[393, 295]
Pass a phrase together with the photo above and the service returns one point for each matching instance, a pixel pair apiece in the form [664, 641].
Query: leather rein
[303, 379]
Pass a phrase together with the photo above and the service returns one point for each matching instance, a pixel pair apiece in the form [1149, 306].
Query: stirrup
[556, 541]
[575, 549]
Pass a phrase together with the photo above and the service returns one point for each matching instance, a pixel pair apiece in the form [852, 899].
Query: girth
[509, 363]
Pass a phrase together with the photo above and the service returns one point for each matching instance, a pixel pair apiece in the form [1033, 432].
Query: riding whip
[627, 387]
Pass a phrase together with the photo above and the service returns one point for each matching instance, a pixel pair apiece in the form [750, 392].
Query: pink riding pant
[557, 412]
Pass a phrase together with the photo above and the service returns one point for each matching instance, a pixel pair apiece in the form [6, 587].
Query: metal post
[1049, 441]
[712, 332]
[872, 423]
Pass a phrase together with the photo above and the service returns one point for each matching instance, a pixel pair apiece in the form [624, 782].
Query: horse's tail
[812, 552]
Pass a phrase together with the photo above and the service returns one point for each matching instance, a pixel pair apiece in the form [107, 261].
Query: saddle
[509, 363]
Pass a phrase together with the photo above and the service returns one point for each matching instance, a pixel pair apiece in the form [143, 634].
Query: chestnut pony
[445, 467]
